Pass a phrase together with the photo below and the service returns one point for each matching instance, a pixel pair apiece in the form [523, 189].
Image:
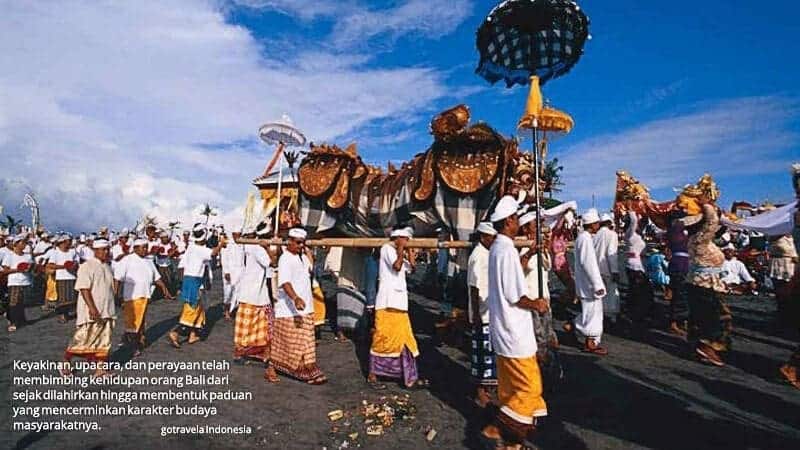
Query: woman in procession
[17, 265]
[64, 260]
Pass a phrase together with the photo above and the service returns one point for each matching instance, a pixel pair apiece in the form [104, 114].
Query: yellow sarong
[51, 294]
[519, 388]
[392, 333]
[193, 317]
[133, 312]
[319, 306]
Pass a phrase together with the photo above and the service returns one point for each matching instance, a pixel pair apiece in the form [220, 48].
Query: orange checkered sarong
[253, 331]
[294, 351]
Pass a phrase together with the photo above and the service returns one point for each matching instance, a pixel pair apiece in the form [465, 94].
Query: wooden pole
[538, 206]
[277, 223]
[427, 243]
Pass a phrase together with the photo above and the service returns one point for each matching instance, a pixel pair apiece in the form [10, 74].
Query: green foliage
[552, 177]
[11, 224]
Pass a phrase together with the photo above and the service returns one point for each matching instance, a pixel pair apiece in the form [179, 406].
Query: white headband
[298, 233]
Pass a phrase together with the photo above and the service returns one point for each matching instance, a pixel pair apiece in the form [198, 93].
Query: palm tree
[552, 177]
[11, 224]
[208, 211]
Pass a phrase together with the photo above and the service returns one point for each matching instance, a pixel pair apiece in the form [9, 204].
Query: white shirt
[478, 277]
[3, 252]
[510, 326]
[532, 279]
[256, 276]
[635, 245]
[138, 276]
[96, 277]
[40, 249]
[736, 272]
[293, 270]
[232, 259]
[116, 252]
[392, 290]
[587, 273]
[150, 245]
[606, 246]
[57, 257]
[181, 246]
[84, 252]
[195, 259]
[163, 259]
[11, 260]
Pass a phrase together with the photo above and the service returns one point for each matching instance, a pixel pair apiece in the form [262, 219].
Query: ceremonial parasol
[282, 133]
[533, 41]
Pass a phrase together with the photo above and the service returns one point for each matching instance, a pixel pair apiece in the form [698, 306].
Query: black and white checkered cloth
[521, 38]
[458, 213]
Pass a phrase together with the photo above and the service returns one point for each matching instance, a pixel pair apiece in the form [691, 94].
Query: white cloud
[355, 23]
[303, 9]
[737, 137]
[424, 17]
[106, 109]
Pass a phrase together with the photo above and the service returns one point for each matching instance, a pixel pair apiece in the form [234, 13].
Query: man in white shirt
[17, 266]
[181, 243]
[253, 326]
[96, 312]
[120, 250]
[151, 234]
[736, 276]
[589, 287]
[519, 382]
[42, 247]
[195, 265]
[64, 260]
[136, 276]
[394, 349]
[165, 251]
[232, 259]
[483, 368]
[546, 337]
[294, 351]
[606, 246]
[85, 251]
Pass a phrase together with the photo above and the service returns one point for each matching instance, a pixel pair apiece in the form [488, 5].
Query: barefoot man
[483, 368]
[136, 275]
[196, 267]
[511, 325]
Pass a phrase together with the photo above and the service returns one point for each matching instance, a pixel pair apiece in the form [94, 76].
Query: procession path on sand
[645, 394]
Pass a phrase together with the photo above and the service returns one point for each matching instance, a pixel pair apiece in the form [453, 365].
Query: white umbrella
[282, 133]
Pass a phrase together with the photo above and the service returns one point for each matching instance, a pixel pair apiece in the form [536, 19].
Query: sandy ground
[648, 393]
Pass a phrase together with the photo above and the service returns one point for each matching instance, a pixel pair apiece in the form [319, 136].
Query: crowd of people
[273, 295]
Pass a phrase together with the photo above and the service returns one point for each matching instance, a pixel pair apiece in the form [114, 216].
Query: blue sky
[648, 62]
[152, 107]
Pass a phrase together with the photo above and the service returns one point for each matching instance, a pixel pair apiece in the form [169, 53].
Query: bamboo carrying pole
[426, 243]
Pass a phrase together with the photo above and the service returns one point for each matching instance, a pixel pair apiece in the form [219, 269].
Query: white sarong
[590, 323]
[611, 300]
